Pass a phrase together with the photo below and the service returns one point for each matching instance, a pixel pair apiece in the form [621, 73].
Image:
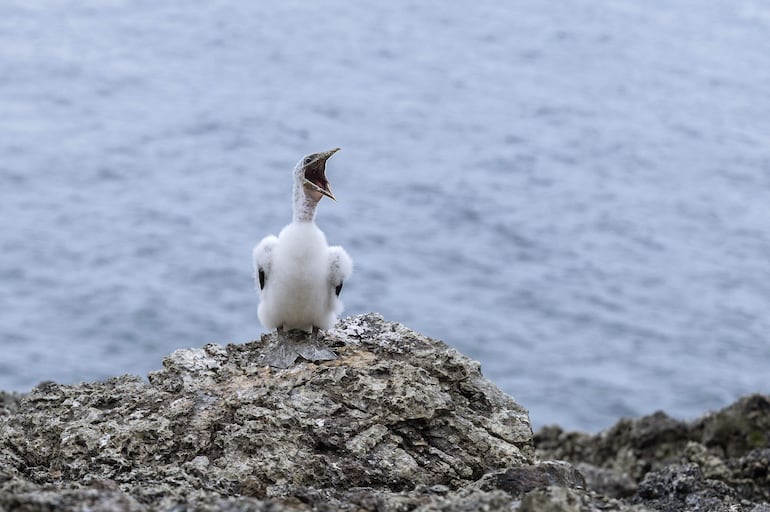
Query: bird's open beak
[315, 175]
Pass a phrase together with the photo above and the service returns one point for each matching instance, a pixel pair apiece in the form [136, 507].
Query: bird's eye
[308, 160]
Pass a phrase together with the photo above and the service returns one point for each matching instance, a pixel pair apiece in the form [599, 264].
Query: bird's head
[311, 173]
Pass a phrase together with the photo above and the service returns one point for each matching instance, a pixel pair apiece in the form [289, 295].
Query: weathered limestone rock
[9, 402]
[398, 420]
[718, 462]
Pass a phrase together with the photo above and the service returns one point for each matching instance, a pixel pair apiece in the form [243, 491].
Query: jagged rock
[398, 422]
[607, 481]
[683, 487]
[520, 480]
[716, 462]
[739, 428]
[9, 402]
[395, 411]
[631, 447]
[564, 499]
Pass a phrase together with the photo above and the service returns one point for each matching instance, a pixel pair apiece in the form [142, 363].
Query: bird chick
[299, 276]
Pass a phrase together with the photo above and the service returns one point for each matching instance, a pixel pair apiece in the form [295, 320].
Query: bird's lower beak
[327, 191]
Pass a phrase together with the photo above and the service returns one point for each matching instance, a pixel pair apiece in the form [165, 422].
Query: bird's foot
[314, 352]
[280, 355]
[288, 346]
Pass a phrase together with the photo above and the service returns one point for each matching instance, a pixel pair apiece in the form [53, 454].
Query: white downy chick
[299, 276]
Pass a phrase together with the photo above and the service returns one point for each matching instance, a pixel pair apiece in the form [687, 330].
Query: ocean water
[576, 194]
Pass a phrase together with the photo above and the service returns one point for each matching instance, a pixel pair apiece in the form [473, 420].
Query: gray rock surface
[720, 462]
[398, 422]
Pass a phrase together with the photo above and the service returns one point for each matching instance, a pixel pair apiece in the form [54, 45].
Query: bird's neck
[304, 205]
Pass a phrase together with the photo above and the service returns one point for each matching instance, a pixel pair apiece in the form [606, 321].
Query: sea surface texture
[577, 194]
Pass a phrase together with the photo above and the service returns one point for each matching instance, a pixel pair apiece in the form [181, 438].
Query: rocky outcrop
[718, 462]
[398, 422]
[9, 402]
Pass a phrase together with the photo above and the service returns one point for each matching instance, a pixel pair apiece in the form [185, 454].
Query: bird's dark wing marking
[338, 289]
[262, 279]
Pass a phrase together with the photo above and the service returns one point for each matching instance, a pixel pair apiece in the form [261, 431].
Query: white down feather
[301, 274]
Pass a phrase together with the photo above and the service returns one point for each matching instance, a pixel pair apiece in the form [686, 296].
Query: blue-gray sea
[576, 194]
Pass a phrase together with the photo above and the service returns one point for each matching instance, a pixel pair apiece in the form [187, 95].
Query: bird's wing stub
[263, 260]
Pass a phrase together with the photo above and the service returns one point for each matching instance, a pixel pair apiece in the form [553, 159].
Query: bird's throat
[304, 205]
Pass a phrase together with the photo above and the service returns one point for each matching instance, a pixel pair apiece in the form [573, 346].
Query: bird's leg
[312, 351]
[314, 335]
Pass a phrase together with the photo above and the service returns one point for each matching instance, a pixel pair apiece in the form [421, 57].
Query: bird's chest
[300, 260]
[302, 268]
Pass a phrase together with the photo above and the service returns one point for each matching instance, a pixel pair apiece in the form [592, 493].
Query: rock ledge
[397, 422]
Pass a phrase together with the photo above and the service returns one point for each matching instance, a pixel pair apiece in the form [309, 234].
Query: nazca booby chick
[299, 276]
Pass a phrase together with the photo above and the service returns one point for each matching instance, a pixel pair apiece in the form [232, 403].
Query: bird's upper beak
[315, 174]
